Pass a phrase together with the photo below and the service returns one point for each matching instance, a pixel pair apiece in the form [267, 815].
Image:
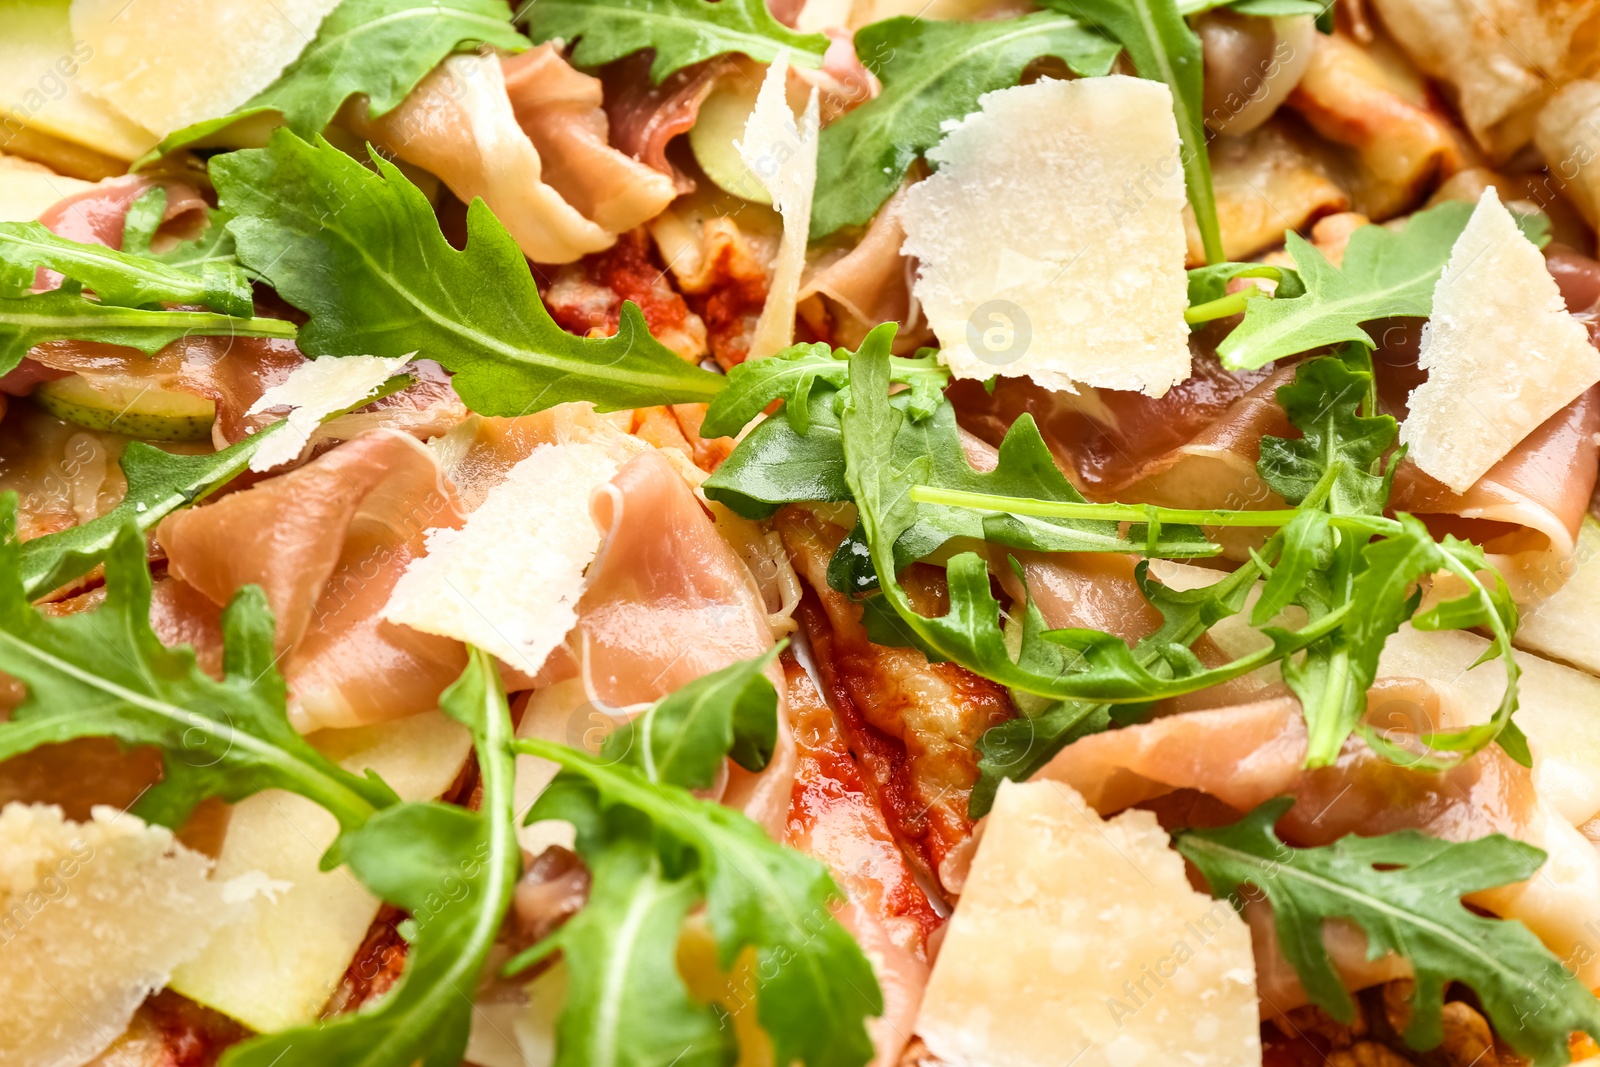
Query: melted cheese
[782, 155]
[1501, 352]
[168, 65]
[1080, 941]
[93, 918]
[509, 580]
[276, 966]
[1050, 240]
[314, 391]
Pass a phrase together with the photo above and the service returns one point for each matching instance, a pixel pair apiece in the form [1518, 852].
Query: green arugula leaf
[378, 49]
[455, 871]
[796, 455]
[118, 279]
[1324, 403]
[1258, 8]
[362, 254]
[64, 315]
[682, 32]
[932, 72]
[1069, 664]
[159, 483]
[1326, 564]
[144, 218]
[1385, 273]
[104, 673]
[653, 850]
[1164, 49]
[1404, 889]
[790, 375]
[1210, 283]
[682, 738]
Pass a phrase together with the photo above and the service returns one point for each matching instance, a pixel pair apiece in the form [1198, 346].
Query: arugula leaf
[145, 214]
[1385, 274]
[378, 49]
[653, 849]
[682, 32]
[932, 72]
[1340, 457]
[104, 673]
[1259, 8]
[759, 476]
[159, 483]
[796, 455]
[682, 738]
[455, 871]
[362, 254]
[1403, 889]
[65, 315]
[1324, 403]
[118, 278]
[789, 376]
[1164, 49]
[1068, 664]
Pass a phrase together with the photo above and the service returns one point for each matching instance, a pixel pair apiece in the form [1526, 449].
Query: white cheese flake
[314, 391]
[1501, 352]
[168, 65]
[1049, 240]
[1079, 940]
[782, 154]
[509, 580]
[94, 917]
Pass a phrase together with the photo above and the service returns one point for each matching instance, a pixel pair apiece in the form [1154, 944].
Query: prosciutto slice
[646, 117]
[96, 215]
[834, 818]
[1246, 754]
[327, 542]
[458, 124]
[560, 111]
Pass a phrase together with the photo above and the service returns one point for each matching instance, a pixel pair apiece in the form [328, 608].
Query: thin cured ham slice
[98, 214]
[914, 726]
[458, 124]
[646, 117]
[1195, 447]
[852, 290]
[666, 600]
[833, 818]
[560, 111]
[327, 543]
[1528, 507]
[1244, 755]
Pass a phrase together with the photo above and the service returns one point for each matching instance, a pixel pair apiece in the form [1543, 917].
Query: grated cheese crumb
[314, 391]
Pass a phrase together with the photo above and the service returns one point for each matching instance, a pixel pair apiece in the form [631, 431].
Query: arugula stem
[1222, 307]
[1065, 509]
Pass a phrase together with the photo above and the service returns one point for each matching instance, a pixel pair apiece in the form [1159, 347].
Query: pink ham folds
[327, 542]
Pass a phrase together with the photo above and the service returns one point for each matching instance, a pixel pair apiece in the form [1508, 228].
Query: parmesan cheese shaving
[510, 579]
[168, 65]
[93, 918]
[1050, 239]
[314, 391]
[1080, 941]
[782, 154]
[1501, 352]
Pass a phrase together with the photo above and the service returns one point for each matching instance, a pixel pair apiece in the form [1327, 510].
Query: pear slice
[131, 408]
